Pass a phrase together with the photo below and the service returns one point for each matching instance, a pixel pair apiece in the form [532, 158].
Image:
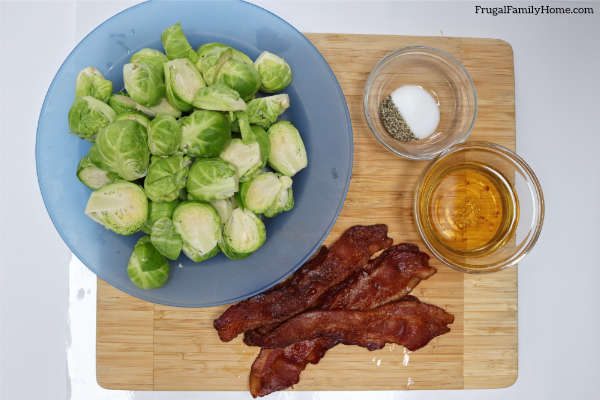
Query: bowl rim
[373, 74]
[535, 184]
[75, 251]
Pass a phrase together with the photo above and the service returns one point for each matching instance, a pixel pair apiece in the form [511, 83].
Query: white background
[557, 67]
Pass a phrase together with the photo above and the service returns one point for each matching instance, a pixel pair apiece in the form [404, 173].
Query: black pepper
[393, 122]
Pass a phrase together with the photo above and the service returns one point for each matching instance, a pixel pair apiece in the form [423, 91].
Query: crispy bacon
[349, 253]
[407, 322]
[390, 276]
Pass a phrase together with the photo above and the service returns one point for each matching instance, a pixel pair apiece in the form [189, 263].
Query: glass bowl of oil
[479, 207]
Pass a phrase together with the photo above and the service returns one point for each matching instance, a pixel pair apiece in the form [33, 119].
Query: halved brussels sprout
[163, 108]
[176, 44]
[225, 207]
[156, 58]
[121, 207]
[218, 97]
[212, 179]
[275, 73]
[245, 157]
[135, 116]
[88, 115]
[243, 234]
[156, 211]
[209, 53]
[240, 76]
[200, 228]
[252, 134]
[284, 200]
[264, 111]
[288, 155]
[121, 147]
[164, 135]
[93, 177]
[210, 73]
[205, 133]
[166, 177]
[166, 239]
[123, 104]
[182, 80]
[91, 82]
[147, 268]
[144, 83]
[259, 194]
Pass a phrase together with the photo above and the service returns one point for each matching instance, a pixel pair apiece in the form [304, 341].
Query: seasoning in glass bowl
[410, 113]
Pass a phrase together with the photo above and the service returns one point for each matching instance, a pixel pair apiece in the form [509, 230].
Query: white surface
[557, 62]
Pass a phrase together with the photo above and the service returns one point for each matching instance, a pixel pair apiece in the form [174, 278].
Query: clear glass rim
[537, 221]
[373, 75]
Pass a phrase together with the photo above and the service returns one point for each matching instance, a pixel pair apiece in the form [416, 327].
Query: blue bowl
[318, 109]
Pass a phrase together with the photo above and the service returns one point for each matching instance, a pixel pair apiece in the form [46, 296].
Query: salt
[418, 108]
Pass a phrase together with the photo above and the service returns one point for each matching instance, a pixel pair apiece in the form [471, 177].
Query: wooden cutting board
[144, 346]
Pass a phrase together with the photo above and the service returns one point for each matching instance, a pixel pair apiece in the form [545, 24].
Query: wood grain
[144, 346]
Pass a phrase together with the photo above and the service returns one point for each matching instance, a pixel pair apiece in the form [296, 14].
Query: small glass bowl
[443, 77]
[529, 204]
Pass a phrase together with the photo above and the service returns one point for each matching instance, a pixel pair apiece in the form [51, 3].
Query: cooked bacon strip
[390, 276]
[349, 253]
[393, 275]
[407, 322]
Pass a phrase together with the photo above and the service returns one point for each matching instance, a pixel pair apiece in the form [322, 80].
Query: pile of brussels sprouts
[182, 154]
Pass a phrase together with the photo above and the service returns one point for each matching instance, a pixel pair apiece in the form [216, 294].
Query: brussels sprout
[284, 200]
[288, 155]
[200, 228]
[156, 58]
[240, 76]
[121, 147]
[212, 179]
[233, 122]
[163, 108]
[93, 177]
[218, 97]
[225, 207]
[123, 104]
[88, 115]
[252, 134]
[135, 116]
[91, 82]
[245, 157]
[275, 73]
[144, 83]
[157, 210]
[166, 177]
[209, 53]
[166, 240]
[210, 73]
[261, 136]
[259, 194]
[176, 44]
[182, 82]
[204, 133]
[121, 207]
[147, 268]
[164, 135]
[243, 234]
[264, 111]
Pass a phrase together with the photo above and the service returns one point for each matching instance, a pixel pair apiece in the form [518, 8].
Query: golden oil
[469, 208]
